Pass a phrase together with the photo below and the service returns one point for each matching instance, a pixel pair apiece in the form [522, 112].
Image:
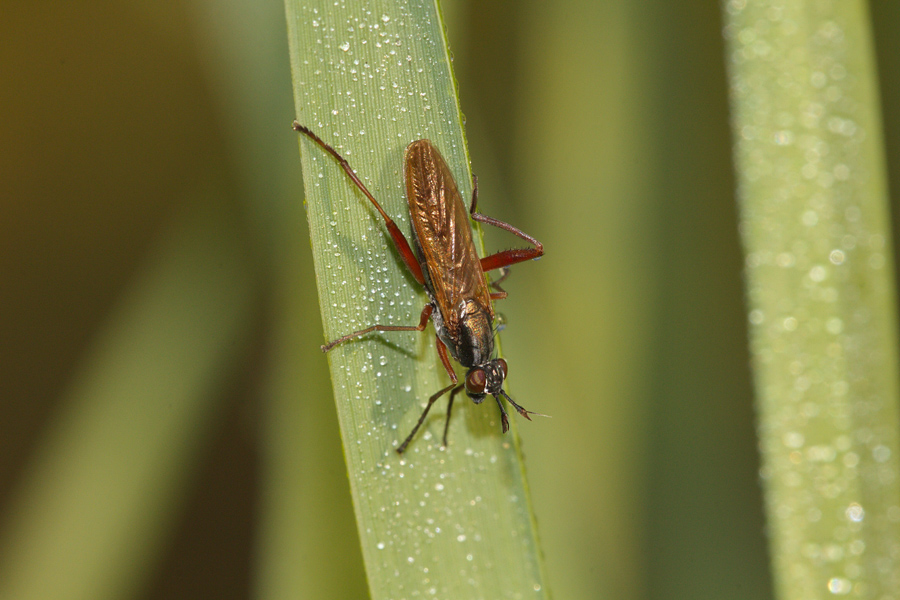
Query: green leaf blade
[452, 522]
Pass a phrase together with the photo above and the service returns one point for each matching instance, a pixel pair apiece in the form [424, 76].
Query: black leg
[455, 391]
[422, 418]
[504, 418]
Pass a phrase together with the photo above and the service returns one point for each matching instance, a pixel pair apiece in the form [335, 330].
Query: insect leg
[423, 321]
[506, 257]
[504, 273]
[500, 294]
[399, 239]
[504, 419]
[421, 420]
[518, 408]
[442, 352]
[455, 391]
[474, 195]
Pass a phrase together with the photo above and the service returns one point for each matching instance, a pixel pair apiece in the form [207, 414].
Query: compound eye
[503, 368]
[475, 381]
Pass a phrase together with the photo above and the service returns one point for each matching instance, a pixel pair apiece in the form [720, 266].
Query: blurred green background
[167, 427]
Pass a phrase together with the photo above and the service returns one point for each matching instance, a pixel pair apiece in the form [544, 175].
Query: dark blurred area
[139, 138]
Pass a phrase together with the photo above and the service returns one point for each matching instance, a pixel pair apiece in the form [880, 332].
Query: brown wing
[441, 224]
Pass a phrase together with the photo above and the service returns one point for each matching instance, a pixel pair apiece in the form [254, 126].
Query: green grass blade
[452, 523]
[821, 292]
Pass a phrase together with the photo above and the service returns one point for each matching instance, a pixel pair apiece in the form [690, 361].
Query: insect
[446, 263]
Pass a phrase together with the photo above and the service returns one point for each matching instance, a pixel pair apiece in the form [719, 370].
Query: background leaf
[821, 294]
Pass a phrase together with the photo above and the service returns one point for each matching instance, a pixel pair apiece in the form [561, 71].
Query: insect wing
[441, 224]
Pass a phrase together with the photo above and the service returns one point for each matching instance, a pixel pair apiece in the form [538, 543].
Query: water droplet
[876, 261]
[785, 259]
[345, 46]
[784, 138]
[839, 585]
[834, 326]
[855, 512]
[810, 218]
[793, 439]
[818, 273]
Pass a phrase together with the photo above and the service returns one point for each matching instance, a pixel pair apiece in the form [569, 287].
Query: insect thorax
[474, 342]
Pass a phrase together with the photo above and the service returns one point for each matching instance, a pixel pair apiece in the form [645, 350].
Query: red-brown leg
[399, 239]
[442, 352]
[423, 321]
[504, 258]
